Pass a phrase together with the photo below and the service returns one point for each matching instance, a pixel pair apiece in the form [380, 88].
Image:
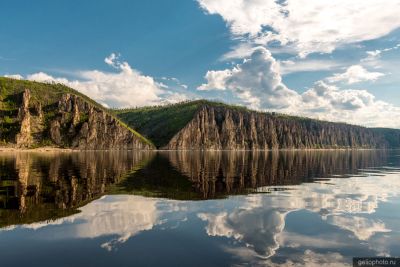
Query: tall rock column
[24, 138]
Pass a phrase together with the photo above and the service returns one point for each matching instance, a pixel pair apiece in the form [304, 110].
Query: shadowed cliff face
[73, 123]
[84, 126]
[215, 127]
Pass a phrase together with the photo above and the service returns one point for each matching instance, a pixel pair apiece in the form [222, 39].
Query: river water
[288, 208]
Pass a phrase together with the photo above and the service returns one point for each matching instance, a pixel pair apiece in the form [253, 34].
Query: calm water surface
[198, 209]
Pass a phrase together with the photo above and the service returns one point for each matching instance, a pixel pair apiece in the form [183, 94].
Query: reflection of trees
[229, 172]
[47, 185]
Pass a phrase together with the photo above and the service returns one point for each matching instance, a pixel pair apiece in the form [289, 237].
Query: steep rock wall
[24, 137]
[75, 123]
[231, 129]
[88, 127]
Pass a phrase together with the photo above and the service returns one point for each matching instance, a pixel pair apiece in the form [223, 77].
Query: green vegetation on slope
[160, 123]
[11, 97]
[47, 94]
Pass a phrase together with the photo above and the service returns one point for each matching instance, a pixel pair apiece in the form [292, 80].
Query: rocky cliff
[78, 124]
[58, 117]
[24, 137]
[221, 127]
[201, 124]
[55, 115]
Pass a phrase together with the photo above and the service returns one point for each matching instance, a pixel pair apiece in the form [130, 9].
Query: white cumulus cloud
[355, 74]
[126, 87]
[307, 25]
[376, 54]
[307, 65]
[257, 82]
[112, 60]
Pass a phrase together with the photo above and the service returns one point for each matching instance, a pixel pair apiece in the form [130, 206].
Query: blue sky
[335, 61]
[160, 38]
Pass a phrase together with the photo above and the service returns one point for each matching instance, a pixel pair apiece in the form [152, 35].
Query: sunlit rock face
[215, 127]
[72, 122]
[99, 131]
[24, 137]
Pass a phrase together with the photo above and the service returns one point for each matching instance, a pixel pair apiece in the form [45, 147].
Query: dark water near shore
[293, 208]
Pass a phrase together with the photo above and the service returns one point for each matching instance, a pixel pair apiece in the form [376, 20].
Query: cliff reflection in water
[42, 186]
[218, 174]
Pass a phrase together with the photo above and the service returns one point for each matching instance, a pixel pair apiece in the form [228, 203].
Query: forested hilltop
[204, 124]
[36, 114]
